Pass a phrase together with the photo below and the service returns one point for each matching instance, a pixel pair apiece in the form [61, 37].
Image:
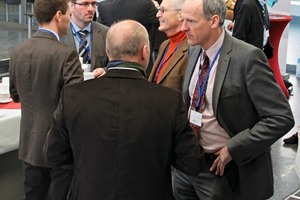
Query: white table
[11, 174]
[9, 129]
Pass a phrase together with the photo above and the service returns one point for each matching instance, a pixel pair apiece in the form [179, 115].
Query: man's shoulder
[100, 27]
[165, 91]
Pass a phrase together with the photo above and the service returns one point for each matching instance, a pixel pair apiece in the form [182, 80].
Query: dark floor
[286, 180]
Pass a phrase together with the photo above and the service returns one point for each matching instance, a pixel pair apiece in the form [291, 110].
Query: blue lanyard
[163, 60]
[201, 88]
[79, 39]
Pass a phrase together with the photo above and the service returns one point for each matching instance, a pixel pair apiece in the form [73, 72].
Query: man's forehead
[189, 13]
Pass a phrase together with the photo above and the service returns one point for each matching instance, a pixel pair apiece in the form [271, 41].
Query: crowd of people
[198, 124]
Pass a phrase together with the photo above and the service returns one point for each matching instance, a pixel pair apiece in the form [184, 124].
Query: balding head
[128, 40]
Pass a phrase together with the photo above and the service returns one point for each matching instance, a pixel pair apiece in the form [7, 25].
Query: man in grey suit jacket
[243, 114]
[82, 13]
[39, 68]
[122, 147]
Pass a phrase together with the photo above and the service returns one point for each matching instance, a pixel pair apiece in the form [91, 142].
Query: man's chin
[89, 18]
[191, 42]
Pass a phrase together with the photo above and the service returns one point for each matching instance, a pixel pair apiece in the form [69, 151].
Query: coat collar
[125, 70]
[43, 34]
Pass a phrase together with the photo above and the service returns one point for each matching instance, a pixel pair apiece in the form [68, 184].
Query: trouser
[43, 183]
[206, 185]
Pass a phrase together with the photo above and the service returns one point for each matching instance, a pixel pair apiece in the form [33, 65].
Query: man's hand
[98, 72]
[223, 158]
[230, 26]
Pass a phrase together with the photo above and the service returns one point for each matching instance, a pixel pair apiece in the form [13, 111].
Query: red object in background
[277, 26]
[11, 105]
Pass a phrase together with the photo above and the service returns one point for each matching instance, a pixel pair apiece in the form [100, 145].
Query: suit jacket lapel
[222, 68]
[158, 59]
[95, 32]
[177, 56]
[194, 52]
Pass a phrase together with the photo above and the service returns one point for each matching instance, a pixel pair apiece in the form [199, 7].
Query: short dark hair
[44, 10]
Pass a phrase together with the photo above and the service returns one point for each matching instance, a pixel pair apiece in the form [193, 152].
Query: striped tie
[83, 46]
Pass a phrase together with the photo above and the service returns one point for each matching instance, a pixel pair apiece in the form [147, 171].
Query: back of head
[126, 39]
[44, 10]
[215, 7]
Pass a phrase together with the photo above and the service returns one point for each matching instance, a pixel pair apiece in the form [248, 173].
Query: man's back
[39, 68]
[143, 11]
[131, 137]
[249, 22]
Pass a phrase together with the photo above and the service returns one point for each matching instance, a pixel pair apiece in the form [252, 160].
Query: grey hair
[126, 44]
[212, 7]
[177, 3]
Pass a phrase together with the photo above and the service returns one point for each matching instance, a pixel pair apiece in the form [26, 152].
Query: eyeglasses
[87, 4]
[163, 10]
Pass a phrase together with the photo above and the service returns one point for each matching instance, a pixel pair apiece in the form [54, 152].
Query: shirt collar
[212, 51]
[55, 34]
[76, 28]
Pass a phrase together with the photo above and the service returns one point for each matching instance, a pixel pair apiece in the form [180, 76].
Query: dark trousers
[206, 185]
[43, 183]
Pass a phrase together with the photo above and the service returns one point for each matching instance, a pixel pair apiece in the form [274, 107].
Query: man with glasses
[170, 65]
[86, 35]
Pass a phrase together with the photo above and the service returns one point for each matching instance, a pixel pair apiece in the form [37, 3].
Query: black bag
[269, 50]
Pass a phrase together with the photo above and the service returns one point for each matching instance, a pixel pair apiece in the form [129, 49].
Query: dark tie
[196, 97]
[83, 45]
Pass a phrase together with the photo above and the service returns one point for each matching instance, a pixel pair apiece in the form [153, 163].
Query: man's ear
[58, 16]
[107, 52]
[179, 17]
[215, 21]
[145, 52]
[71, 6]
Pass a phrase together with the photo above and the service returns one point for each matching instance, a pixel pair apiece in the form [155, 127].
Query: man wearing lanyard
[170, 65]
[86, 35]
[39, 68]
[237, 110]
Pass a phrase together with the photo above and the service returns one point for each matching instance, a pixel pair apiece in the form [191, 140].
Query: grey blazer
[99, 58]
[39, 68]
[249, 104]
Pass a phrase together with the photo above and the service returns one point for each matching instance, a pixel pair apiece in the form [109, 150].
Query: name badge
[196, 118]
